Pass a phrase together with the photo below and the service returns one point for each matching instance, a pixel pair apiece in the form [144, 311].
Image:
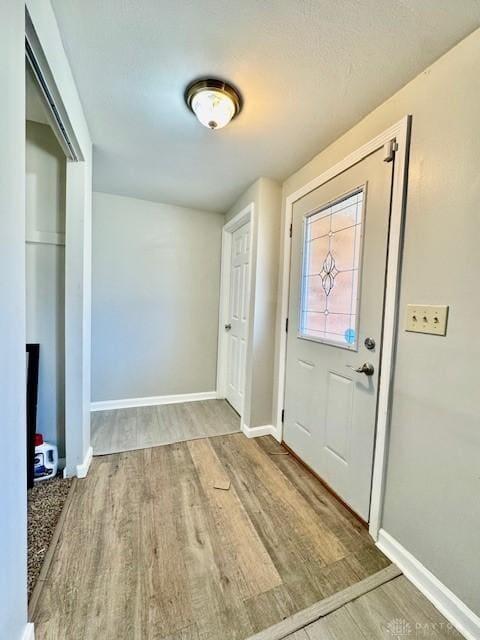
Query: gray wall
[433, 484]
[156, 279]
[45, 275]
[266, 196]
[13, 495]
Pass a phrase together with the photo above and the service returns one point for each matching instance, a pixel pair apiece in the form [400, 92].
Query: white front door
[237, 324]
[337, 282]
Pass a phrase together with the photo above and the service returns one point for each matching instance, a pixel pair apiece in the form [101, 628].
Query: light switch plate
[427, 318]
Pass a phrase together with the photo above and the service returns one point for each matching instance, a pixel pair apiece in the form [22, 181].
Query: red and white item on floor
[46, 459]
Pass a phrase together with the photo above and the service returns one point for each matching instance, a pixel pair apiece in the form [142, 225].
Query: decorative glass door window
[331, 272]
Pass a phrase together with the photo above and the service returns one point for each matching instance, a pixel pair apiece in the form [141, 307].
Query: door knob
[228, 327]
[366, 368]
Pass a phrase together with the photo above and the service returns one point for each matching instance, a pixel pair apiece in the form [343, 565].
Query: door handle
[228, 327]
[366, 368]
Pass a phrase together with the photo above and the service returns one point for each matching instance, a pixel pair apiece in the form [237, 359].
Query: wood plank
[299, 635]
[251, 568]
[367, 560]
[298, 510]
[188, 633]
[148, 427]
[218, 611]
[378, 616]
[328, 605]
[339, 625]
[333, 577]
[120, 430]
[279, 493]
[124, 436]
[162, 537]
[415, 607]
[352, 534]
[176, 420]
[278, 533]
[212, 591]
[213, 417]
[74, 569]
[96, 430]
[103, 431]
[268, 608]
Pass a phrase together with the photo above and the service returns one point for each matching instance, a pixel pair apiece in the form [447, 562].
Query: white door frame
[49, 64]
[398, 134]
[245, 215]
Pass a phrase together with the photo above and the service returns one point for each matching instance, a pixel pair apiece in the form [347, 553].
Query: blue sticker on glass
[350, 336]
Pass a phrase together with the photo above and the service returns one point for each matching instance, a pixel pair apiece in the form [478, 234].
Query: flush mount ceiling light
[213, 101]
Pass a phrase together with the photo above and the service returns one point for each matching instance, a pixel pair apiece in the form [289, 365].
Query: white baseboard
[152, 401]
[449, 605]
[29, 633]
[82, 469]
[256, 432]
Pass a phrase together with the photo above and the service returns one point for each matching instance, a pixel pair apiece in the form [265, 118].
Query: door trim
[399, 133]
[245, 215]
[49, 64]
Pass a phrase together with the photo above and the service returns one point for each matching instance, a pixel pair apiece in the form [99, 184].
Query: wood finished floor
[395, 610]
[150, 550]
[121, 430]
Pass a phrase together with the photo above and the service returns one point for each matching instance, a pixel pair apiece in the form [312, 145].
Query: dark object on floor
[33, 354]
[45, 504]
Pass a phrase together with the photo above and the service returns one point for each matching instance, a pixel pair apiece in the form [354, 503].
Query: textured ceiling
[307, 69]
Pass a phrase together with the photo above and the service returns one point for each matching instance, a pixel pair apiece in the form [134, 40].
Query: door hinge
[389, 149]
[283, 415]
[291, 229]
[286, 325]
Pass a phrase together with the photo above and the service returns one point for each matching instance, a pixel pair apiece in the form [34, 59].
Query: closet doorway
[45, 206]
[45, 226]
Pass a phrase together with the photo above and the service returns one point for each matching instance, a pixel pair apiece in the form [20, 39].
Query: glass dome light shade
[213, 101]
[214, 109]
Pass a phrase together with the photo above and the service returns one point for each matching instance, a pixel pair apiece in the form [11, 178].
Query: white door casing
[396, 137]
[237, 291]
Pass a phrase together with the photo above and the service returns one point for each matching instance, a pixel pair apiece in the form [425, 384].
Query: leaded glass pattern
[331, 272]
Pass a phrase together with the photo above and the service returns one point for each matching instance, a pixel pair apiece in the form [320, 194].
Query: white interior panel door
[237, 324]
[337, 281]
